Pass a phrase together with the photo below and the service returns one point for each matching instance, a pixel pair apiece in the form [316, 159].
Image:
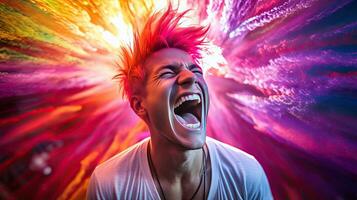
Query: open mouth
[188, 109]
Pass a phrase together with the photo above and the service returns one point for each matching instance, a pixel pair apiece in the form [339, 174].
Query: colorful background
[282, 77]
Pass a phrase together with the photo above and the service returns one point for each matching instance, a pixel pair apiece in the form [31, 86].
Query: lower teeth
[193, 125]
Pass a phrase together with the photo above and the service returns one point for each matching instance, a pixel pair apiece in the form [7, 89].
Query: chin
[192, 143]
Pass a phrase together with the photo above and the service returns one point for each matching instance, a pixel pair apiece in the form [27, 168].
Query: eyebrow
[176, 65]
[193, 65]
[173, 66]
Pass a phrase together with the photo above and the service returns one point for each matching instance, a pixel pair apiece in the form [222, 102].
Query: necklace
[203, 174]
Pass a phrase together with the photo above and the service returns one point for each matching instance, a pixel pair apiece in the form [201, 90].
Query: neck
[173, 162]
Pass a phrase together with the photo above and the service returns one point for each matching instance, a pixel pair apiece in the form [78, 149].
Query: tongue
[187, 118]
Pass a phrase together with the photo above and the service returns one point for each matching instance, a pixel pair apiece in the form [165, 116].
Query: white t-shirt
[235, 175]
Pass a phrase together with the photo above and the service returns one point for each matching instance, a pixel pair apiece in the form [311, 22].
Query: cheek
[203, 84]
[158, 101]
[158, 93]
[159, 111]
[204, 89]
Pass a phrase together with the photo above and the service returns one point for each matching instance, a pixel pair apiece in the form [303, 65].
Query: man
[165, 86]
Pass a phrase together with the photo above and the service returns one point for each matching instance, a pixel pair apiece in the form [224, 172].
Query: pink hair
[162, 30]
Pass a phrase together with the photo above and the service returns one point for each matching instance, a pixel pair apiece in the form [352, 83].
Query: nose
[186, 78]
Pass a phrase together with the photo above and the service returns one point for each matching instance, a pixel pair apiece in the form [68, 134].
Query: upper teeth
[187, 98]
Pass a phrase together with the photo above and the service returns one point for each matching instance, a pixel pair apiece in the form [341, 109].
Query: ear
[137, 104]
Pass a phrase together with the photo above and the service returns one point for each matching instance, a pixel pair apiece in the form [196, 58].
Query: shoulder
[122, 162]
[242, 167]
[111, 175]
[230, 155]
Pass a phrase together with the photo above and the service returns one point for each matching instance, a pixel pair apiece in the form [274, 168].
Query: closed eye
[196, 69]
[166, 73]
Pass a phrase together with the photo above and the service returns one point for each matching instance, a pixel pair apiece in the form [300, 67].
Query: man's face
[176, 98]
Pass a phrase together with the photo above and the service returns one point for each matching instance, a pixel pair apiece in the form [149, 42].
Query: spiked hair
[162, 30]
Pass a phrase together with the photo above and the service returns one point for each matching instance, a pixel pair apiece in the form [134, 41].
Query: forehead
[165, 57]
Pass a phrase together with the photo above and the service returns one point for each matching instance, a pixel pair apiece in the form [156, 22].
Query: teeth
[188, 98]
[197, 125]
